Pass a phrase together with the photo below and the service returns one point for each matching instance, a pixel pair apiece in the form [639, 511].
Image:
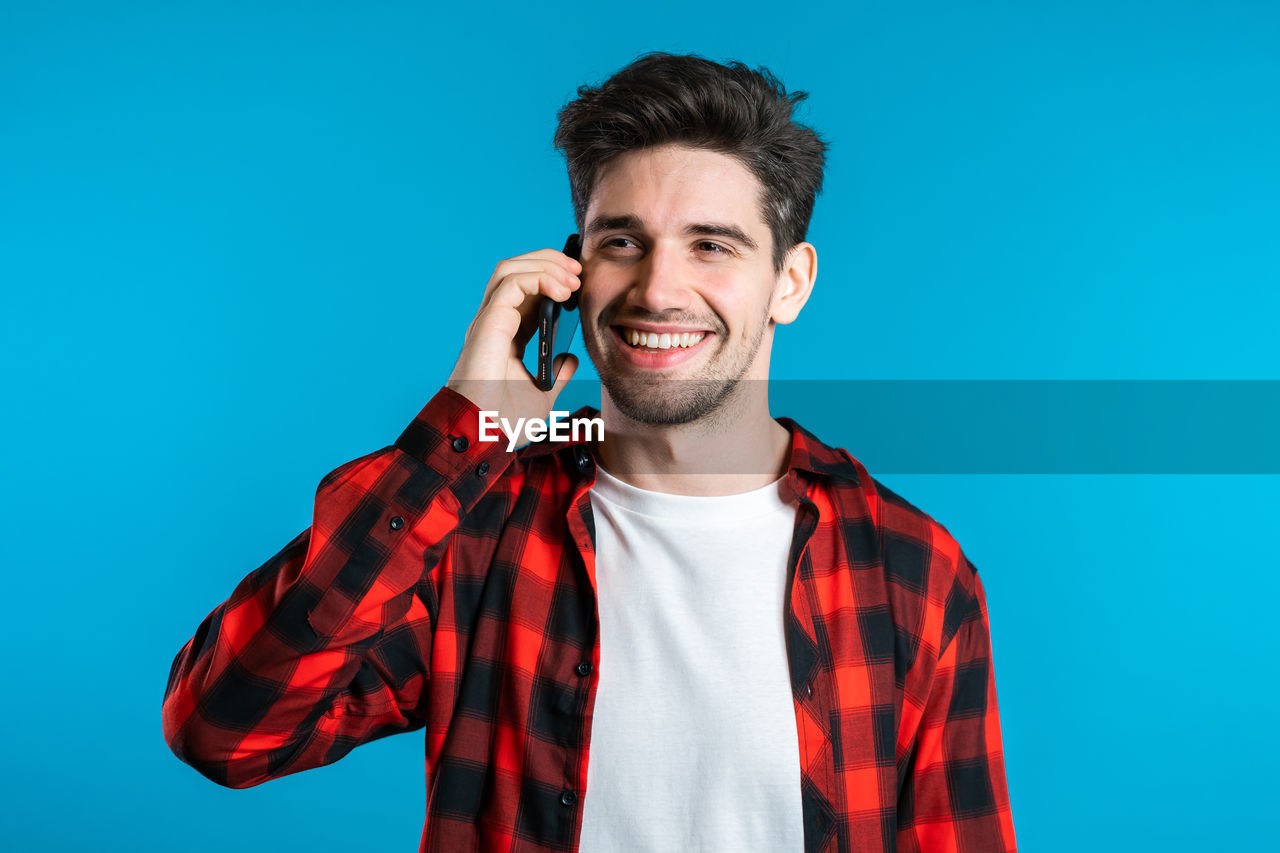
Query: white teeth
[653, 340]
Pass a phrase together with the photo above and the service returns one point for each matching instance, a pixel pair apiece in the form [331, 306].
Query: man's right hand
[489, 371]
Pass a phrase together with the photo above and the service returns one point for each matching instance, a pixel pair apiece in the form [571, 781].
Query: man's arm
[326, 646]
[956, 798]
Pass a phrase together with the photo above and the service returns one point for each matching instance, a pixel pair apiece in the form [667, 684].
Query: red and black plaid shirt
[448, 584]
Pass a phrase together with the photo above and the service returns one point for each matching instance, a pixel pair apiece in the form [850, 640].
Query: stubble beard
[672, 402]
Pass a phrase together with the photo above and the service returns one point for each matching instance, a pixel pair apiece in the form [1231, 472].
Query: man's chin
[667, 402]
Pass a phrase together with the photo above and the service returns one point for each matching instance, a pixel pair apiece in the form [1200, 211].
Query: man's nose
[661, 281]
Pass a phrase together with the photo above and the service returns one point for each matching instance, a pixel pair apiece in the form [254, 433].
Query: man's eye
[619, 242]
[714, 248]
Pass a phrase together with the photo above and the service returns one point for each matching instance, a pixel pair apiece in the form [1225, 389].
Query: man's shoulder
[916, 549]
[901, 518]
[924, 561]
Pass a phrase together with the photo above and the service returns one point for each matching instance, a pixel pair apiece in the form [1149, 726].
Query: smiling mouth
[658, 341]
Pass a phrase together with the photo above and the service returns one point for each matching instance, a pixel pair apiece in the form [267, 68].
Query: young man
[707, 630]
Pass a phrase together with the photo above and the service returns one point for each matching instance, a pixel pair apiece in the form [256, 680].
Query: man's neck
[737, 448]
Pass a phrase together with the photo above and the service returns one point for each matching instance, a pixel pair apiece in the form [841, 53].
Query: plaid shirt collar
[808, 456]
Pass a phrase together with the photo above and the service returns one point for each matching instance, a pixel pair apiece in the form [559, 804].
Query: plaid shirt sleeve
[326, 646]
[955, 798]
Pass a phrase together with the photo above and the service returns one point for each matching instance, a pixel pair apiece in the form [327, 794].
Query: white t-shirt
[693, 740]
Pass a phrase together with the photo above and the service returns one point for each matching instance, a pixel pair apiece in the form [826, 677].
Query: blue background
[240, 243]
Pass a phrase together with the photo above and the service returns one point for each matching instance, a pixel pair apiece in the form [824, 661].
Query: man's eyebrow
[701, 229]
[729, 232]
[609, 223]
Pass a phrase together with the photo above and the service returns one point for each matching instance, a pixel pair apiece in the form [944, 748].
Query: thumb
[564, 366]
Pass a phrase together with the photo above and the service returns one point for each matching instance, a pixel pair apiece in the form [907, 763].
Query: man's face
[678, 279]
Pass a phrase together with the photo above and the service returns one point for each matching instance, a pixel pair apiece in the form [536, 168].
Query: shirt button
[482, 468]
[568, 798]
[460, 443]
[584, 459]
[808, 689]
[397, 522]
[583, 668]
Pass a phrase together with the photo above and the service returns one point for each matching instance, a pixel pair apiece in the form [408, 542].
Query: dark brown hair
[663, 98]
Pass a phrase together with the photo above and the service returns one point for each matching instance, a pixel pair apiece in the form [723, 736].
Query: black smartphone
[557, 323]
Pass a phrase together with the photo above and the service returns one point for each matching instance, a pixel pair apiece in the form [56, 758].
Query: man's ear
[794, 283]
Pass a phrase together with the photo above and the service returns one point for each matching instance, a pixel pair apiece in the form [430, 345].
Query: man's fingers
[511, 311]
[539, 268]
[544, 259]
[507, 318]
[548, 254]
[514, 290]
